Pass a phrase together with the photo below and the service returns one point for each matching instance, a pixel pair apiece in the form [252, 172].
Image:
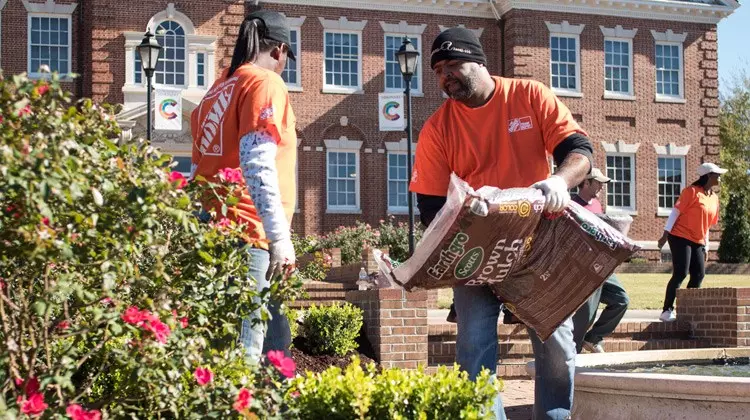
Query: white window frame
[404, 30]
[670, 151]
[399, 148]
[566, 30]
[618, 34]
[621, 209]
[344, 145]
[620, 148]
[54, 10]
[669, 38]
[135, 93]
[295, 24]
[343, 26]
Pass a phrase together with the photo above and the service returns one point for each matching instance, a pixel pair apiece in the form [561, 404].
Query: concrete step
[515, 354]
[626, 330]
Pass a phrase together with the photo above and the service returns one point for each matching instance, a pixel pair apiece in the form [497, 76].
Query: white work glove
[555, 189]
[282, 259]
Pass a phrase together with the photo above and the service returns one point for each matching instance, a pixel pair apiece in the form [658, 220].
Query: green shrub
[293, 316]
[735, 239]
[358, 393]
[332, 329]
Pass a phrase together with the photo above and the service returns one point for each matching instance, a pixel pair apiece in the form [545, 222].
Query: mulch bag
[543, 267]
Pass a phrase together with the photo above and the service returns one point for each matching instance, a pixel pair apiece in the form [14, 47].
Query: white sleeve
[672, 219]
[258, 164]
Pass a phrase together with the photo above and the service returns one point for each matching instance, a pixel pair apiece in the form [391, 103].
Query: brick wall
[15, 48]
[643, 120]
[396, 325]
[720, 315]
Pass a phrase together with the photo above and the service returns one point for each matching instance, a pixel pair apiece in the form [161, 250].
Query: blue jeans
[477, 310]
[259, 337]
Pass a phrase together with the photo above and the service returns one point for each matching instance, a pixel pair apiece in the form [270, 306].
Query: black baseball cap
[276, 27]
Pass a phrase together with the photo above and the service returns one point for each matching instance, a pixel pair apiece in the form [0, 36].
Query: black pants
[687, 257]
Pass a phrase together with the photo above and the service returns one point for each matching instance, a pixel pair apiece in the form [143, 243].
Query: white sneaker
[668, 316]
[593, 348]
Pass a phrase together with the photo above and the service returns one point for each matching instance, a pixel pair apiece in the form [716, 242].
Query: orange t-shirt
[698, 212]
[253, 99]
[504, 143]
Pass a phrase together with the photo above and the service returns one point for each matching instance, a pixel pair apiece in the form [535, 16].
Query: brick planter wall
[396, 327]
[719, 315]
[666, 268]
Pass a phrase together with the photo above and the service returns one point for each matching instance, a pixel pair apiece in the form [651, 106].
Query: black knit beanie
[457, 44]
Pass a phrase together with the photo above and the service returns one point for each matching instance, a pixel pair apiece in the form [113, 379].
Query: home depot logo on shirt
[211, 142]
[520, 124]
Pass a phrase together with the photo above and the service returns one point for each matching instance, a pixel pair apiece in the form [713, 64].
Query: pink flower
[223, 223]
[25, 110]
[231, 175]
[160, 330]
[132, 315]
[184, 321]
[42, 89]
[203, 376]
[178, 179]
[63, 325]
[45, 221]
[106, 301]
[76, 412]
[34, 405]
[243, 400]
[284, 364]
[1, 119]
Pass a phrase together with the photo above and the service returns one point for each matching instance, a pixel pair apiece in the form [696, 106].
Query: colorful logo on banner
[166, 108]
[391, 111]
[168, 112]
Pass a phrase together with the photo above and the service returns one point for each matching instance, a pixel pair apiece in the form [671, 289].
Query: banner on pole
[168, 112]
[391, 112]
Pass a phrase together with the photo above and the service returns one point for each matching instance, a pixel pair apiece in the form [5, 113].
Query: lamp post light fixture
[149, 51]
[408, 57]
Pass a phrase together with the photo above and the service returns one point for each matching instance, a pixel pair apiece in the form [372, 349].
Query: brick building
[640, 76]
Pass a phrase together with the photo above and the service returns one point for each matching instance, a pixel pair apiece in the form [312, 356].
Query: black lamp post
[408, 57]
[149, 51]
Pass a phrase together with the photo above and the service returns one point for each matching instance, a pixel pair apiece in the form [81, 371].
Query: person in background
[498, 132]
[612, 294]
[245, 121]
[687, 229]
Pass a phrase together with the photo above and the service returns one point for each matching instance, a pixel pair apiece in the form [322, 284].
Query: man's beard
[466, 88]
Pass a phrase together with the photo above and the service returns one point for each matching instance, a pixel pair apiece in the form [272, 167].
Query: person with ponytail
[686, 230]
[245, 123]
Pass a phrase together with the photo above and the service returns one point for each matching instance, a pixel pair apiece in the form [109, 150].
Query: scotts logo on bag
[469, 263]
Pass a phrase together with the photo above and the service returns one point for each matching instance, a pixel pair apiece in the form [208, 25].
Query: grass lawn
[646, 291]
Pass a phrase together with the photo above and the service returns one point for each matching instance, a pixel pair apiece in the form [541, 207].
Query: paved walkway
[437, 316]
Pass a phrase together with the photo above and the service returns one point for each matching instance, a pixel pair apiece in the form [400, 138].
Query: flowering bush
[115, 300]
[315, 262]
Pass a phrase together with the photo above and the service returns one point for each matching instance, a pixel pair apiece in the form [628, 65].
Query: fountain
[601, 393]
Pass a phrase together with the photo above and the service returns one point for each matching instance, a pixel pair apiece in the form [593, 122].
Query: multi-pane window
[171, 67]
[668, 70]
[342, 180]
[393, 78]
[342, 59]
[291, 70]
[398, 182]
[617, 66]
[564, 62]
[200, 59]
[138, 68]
[49, 43]
[671, 180]
[620, 194]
